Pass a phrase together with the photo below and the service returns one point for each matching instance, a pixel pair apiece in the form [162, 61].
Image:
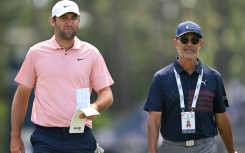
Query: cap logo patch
[189, 27]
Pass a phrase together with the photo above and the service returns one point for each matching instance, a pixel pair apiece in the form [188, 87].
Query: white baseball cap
[63, 7]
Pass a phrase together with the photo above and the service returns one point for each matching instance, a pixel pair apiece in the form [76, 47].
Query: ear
[52, 22]
[201, 43]
[175, 43]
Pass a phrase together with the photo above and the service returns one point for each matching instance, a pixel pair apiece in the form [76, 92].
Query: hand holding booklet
[83, 106]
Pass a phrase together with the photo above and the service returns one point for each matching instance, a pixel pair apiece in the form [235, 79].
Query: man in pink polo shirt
[56, 69]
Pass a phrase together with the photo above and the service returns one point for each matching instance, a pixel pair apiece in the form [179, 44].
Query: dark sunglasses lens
[184, 40]
[195, 41]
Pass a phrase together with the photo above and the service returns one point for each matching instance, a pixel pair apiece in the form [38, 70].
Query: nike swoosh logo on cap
[66, 6]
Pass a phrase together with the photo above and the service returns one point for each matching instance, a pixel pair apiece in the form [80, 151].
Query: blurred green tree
[135, 38]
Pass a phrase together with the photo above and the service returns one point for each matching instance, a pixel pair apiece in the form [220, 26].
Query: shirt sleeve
[154, 98]
[100, 75]
[26, 74]
[221, 101]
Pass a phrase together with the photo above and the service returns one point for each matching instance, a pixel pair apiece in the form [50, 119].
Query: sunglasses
[185, 40]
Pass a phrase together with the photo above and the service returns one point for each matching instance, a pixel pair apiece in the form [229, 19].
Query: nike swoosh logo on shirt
[79, 59]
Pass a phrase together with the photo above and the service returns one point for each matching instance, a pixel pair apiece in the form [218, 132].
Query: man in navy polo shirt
[187, 101]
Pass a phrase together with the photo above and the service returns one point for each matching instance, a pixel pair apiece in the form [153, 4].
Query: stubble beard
[68, 36]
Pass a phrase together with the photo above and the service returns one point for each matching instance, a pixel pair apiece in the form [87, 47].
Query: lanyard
[198, 86]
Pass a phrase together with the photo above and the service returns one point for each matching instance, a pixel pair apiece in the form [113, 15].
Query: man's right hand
[16, 145]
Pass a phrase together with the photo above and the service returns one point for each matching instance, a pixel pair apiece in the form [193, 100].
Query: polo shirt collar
[179, 69]
[55, 45]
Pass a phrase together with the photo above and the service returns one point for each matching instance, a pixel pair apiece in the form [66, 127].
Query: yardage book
[83, 106]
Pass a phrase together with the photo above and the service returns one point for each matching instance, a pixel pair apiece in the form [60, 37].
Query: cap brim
[200, 36]
[67, 11]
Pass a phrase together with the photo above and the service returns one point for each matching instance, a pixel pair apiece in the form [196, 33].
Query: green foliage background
[134, 36]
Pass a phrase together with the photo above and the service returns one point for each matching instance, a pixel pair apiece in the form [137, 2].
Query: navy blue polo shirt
[163, 97]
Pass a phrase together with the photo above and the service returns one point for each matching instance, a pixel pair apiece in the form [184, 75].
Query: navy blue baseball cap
[188, 26]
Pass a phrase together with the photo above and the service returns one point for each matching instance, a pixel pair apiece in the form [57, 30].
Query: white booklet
[83, 106]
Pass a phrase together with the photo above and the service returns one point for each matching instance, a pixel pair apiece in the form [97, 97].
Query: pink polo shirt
[56, 74]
